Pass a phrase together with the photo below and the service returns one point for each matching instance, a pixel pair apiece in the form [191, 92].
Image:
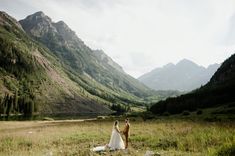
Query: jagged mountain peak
[62, 23]
[186, 62]
[64, 30]
[37, 24]
[38, 17]
[39, 13]
[104, 58]
[41, 26]
[169, 65]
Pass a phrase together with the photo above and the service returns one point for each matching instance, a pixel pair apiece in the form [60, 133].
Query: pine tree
[31, 107]
[1, 106]
[15, 104]
[9, 105]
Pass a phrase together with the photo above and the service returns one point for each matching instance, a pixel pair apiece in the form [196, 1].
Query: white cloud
[142, 34]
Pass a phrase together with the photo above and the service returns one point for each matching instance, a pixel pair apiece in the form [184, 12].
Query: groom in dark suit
[126, 132]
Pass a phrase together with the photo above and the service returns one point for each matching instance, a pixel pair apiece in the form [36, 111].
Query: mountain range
[47, 63]
[183, 76]
[46, 68]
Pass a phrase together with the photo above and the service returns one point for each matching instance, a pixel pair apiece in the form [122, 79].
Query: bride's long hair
[115, 124]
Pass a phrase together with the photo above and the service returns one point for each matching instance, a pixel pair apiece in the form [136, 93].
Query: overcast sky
[141, 35]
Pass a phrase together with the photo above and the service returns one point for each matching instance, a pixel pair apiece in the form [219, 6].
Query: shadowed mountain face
[184, 76]
[225, 74]
[218, 92]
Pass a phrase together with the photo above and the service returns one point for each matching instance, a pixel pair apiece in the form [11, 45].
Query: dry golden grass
[166, 137]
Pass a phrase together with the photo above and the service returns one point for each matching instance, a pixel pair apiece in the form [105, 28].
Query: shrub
[119, 109]
[186, 113]
[147, 115]
[212, 119]
[166, 114]
[133, 114]
[199, 112]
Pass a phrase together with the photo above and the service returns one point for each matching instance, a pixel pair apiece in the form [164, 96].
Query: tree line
[120, 109]
[206, 97]
[17, 105]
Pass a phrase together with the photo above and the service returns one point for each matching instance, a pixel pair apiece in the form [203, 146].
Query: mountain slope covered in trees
[219, 91]
[32, 80]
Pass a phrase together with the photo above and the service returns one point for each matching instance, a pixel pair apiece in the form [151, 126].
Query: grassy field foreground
[165, 137]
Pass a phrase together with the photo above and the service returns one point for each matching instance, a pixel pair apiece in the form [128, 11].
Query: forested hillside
[32, 79]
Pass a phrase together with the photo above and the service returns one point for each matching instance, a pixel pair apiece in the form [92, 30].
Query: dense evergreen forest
[17, 105]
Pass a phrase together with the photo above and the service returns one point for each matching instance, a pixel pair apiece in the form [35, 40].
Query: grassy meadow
[76, 137]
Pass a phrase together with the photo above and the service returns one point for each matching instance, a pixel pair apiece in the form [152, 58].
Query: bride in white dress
[115, 142]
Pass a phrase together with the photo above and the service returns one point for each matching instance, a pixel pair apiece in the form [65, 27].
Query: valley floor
[77, 137]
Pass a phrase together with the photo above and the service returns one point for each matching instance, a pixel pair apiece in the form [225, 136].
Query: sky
[141, 35]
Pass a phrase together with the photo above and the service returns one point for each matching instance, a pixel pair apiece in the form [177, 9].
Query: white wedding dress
[115, 142]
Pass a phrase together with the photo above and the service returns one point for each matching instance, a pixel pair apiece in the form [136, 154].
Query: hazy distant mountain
[184, 76]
